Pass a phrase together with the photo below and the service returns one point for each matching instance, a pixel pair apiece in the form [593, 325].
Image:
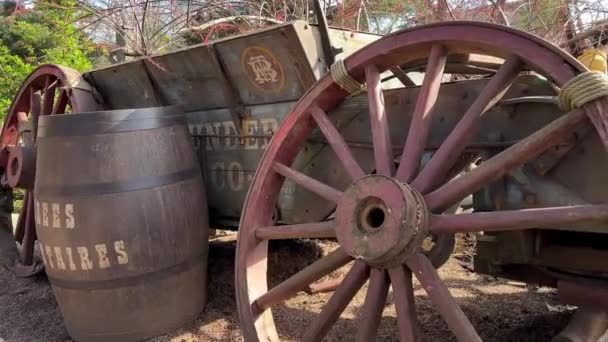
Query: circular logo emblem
[263, 69]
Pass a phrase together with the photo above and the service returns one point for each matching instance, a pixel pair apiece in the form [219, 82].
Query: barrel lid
[109, 121]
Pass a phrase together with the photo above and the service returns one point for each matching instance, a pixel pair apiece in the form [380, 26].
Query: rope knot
[582, 89]
[343, 78]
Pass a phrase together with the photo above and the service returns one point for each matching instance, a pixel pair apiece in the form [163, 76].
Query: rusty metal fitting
[381, 221]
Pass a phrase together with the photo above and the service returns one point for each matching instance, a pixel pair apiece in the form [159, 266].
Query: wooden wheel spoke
[335, 139]
[49, 97]
[309, 183]
[302, 279]
[383, 153]
[375, 300]
[298, 231]
[402, 76]
[435, 172]
[29, 236]
[355, 278]
[505, 161]
[421, 120]
[518, 219]
[439, 294]
[35, 112]
[324, 286]
[35, 104]
[61, 102]
[403, 293]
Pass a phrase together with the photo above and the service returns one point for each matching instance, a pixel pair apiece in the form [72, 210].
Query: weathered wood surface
[347, 41]
[268, 67]
[286, 60]
[124, 86]
[121, 218]
[277, 64]
[230, 162]
[189, 78]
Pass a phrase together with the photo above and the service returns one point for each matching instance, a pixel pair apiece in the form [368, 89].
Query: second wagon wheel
[382, 218]
[49, 90]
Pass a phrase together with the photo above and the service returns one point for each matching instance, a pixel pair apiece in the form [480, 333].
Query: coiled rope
[582, 89]
[343, 78]
[585, 88]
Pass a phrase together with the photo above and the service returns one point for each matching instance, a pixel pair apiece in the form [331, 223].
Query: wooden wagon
[403, 142]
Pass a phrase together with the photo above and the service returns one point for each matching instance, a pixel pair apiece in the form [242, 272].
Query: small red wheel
[382, 218]
[49, 90]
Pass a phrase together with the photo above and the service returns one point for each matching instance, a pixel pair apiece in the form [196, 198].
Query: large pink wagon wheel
[382, 218]
[49, 90]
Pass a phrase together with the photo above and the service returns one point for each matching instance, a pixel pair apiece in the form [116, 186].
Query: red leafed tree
[142, 27]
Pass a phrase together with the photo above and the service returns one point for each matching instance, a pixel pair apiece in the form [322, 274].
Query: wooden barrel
[121, 218]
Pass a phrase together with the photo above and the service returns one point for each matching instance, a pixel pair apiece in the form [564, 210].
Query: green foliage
[540, 14]
[13, 70]
[40, 35]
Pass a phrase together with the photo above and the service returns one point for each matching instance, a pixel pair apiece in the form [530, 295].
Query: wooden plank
[477, 60]
[348, 41]
[228, 160]
[125, 86]
[229, 166]
[271, 65]
[267, 67]
[587, 259]
[188, 78]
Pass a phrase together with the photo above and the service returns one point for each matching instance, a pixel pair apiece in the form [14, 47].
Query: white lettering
[200, 129]
[42, 214]
[69, 216]
[102, 253]
[49, 254]
[217, 179]
[55, 211]
[59, 257]
[263, 69]
[249, 126]
[68, 251]
[232, 178]
[54, 257]
[42, 253]
[223, 135]
[85, 262]
[235, 176]
[45, 214]
[231, 141]
[212, 131]
[119, 248]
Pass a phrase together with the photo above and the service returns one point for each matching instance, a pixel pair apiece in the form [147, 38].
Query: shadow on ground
[29, 313]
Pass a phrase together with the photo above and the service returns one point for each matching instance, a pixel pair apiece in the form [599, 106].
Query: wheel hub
[21, 167]
[381, 221]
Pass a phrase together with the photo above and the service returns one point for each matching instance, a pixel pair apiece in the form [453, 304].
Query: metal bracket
[329, 51]
[234, 103]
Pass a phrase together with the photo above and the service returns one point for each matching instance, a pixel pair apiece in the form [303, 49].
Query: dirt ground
[500, 310]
